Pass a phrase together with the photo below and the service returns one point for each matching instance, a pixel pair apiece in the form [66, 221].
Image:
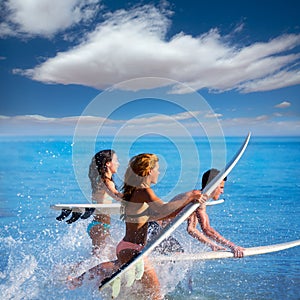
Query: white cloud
[6, 30]
[272, 81]
[283, 104]
[261, 118]
[174, 125]
[132, 44]
[260, 126]
[29, 123]
[45, 17]
[140, 120]
[239, 27]
[213, 115]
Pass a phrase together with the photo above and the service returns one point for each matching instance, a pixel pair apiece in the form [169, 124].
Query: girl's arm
[159, 210]
[110, 188]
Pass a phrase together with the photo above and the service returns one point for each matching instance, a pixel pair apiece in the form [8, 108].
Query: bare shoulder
[111, 187]
[110, 184]
[144, 192]
[147, 195]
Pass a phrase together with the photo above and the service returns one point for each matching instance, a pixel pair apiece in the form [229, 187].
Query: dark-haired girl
[103, 165]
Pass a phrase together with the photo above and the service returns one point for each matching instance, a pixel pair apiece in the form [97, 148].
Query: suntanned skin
[156, 209]
[210, 235]
[98, 233]
[152, 207]
[136, 232]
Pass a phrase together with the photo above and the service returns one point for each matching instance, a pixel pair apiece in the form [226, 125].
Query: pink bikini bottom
[128, 245]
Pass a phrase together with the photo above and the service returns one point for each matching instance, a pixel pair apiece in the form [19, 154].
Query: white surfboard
[181, 217]
[76, 270]
[111, 209]
[214, 202]
[108, 209]
[209, 255]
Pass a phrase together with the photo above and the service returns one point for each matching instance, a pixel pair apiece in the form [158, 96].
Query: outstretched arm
[195, 233]
[214, 235]
[164, 211]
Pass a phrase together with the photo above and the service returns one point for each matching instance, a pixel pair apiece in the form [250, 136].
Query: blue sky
[241, 56]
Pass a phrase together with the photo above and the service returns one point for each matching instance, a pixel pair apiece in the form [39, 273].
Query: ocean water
[261, 207]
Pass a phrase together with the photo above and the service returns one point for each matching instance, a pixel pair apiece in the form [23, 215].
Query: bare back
[138, 214]
[102, 197]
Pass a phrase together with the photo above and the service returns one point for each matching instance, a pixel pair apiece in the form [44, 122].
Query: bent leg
[104, 269]
[98, 235]
[150, 282]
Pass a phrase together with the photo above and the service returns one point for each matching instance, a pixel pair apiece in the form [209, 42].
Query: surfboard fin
[75, 216]
[64, 214]
[88, 212]
[139, 270]
[130, 277]
[116, 287]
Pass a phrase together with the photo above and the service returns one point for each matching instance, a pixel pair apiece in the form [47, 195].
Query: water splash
[19, 277]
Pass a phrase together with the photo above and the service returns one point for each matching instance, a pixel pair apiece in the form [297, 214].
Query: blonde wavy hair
[139, 167]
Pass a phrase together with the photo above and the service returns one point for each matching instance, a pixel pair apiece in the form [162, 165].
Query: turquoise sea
[261, 207]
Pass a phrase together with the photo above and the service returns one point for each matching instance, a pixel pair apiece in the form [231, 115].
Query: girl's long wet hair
[98, 168]
[139, 167]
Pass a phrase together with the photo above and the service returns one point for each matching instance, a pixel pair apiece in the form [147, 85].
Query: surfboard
[181, 217]
[209, 255]
[76, 270]
[84, 211]
[214, 202]
[113, 208]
